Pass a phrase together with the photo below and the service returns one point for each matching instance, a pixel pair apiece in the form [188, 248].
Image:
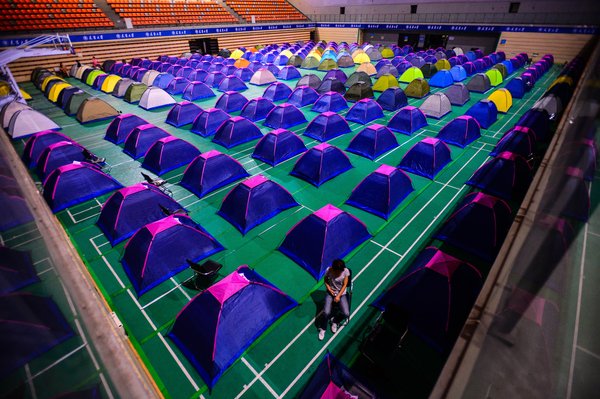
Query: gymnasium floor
[282, 360]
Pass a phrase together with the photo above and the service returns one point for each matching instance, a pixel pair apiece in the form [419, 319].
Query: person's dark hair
[338, 264]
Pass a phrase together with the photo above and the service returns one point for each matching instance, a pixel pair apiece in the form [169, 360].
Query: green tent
[75, 102]
[310, 63]
[134, 92]
[418, 88]
[495, 77]
[92, 76]
[502, 68]
[411, 74]
[358, 76]
[429, 69]
[295, 60]
[327, 65]
[358, 91]
[385, 82]
[95, 109]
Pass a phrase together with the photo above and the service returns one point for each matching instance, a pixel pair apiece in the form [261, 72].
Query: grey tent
[429, 69]
[134, 92]
[436, 106]
[388, 70]
[479, 83]
[458, 94]
[295, 60]
[9, 109]
[95, 109]
[121, 87]
[345, 61]
[550, 103]
[29, 121]
[502, 68]
[358, 91]
[374, 54]
[310, 80]
[73, 70]
[75, 102]
[358, 77]
[225, 53]
[310, 62]
[149, 76]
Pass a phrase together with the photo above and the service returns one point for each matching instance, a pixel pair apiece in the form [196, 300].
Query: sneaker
[334, 327]
[321, 334]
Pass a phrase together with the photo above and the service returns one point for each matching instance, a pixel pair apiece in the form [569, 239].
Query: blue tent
[141, 139]
[460, 131]
[208, 121]
[321, 164]
[331, 84]
[435, 295]
[254, 201]
[232, 83]
[31, 326]
[197, 91]
[469, 68]
[284, 116]
[373, 141]
[278, 146]
[235, 131]
[321, 237]
[167, 154]
[177, 85]
[330, 101]
[392, 99]
[163, 80]
[37, 143]
[16, 270]
[407, 120]
[120, 127]
[538, 120]
[574, 187]
[478, 225]
[364, 111]
[506, 176]
[327, 126]
[185, 72]
[244, 73]
[231, 101]
[337, 74]
[277, 91]
[161, 249]
[220, 323]
[516, 87]
[442, 78]
[210, 171]
[131, 208]
[229, 70]
[458, 73]
[289, 73]
[197, 76]
[303, 95]
[426, 158]
[257, 109]
[183, 113]
[518, 140]
[75, 183]
[14, 210]
[214, 79]
[59, 154]
[382, 191]
[485, 112]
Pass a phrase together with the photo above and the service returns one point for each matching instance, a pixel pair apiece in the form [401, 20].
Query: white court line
[27, 242]
[311, 323]
[386, 248]
[30, 381]
[266, 385]
[178, 285]
[589, 352]
[57, 361]
[21, 235]
[71, 216]
[447, 185]
[83, 211]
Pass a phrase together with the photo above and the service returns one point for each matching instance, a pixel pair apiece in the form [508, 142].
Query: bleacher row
[43, 15]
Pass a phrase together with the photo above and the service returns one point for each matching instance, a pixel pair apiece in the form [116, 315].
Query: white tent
[73, 70]
[436, 105]
[81, 70]
[28, 121]
[458, 51]
[155, 97]
[149, 76]
[9, 109]
[262, 77]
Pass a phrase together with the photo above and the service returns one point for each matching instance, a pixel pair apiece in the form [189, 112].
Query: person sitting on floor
[337, 277]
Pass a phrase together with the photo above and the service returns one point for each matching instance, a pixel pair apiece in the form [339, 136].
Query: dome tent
[426, 158]
[183, 113]
[141, 139]
[460, 131]
[330, 101]
[418, 88]
[208, 121]
[257, 109]
[364, 111]
[359, 91]
[210, 171]
[59, 154]
[327, 126]
[26, 122]
[94, 109]
[436, 106]
[277, 146]
[457, 94]
[235, 131]
[373, 141]
[518, 140]
[284, 116]
[120, 127]
[310, 80]
[320, 164]
[506, 176]
[155, 97]
[392, 99]
[407, 120]
[302, 96]
[231, 101]
[168, 153]
[277, 91]
[37, 143]
[197, 91]
[485, 112]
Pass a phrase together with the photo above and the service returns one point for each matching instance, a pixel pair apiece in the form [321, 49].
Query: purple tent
[173, 69]
[518, 140]
[197, 91]
[382, 191]
[257, 109]
[220, 323]
[460, 131]
[141, 138]
[272, 67]
[331, 84]
[244, 73]
[407, 120]
[59, 154]
[277, 91]
[75, 183]
[330, 101]
[14, 211]
[163, 80]
[478, 225]
[278, 146]
[37, 143]
[208, 121]
[469, 68]
[197, 76]
[210, 171]
[485, 112]
[426, 158]
[337, 74]
[254, 201]
[364, 111]
[392, 99]
[177, 85]
[215, 67]
[284, 116]
[289, 72]
[321, 164]
[16, 270]
[231, 101]
[575, 190]
[303, 95]
[131, 208]
[31, 325]
[183, 113]
[120, 127]
[506, 176]
[169, 153]
[321, 237]
[435, 294]
[232, 83]
[537, 120]
[373, 141]
[161, 249]
[214, 79]
[229, 70]
[235, 131]
[327, 126]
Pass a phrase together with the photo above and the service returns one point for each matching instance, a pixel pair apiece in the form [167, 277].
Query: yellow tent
[55, 91]
[236, 54]
[319, 50]
[315, 55]
[4, 89]
[25, 95]
[357, 52]
[109, 83]
[502, 98]
[387, 53]
[360, 58]
[367, 68]
[495, 76]
[385, 82]
[47, 80]
[411, 74]
[443, 64]
[562, 79]
[287, 53]
[241, 63]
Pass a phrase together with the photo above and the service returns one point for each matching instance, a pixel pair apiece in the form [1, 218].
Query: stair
[231, 11]
[111, 14]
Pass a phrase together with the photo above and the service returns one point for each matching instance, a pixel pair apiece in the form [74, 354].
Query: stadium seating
[266, 10]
